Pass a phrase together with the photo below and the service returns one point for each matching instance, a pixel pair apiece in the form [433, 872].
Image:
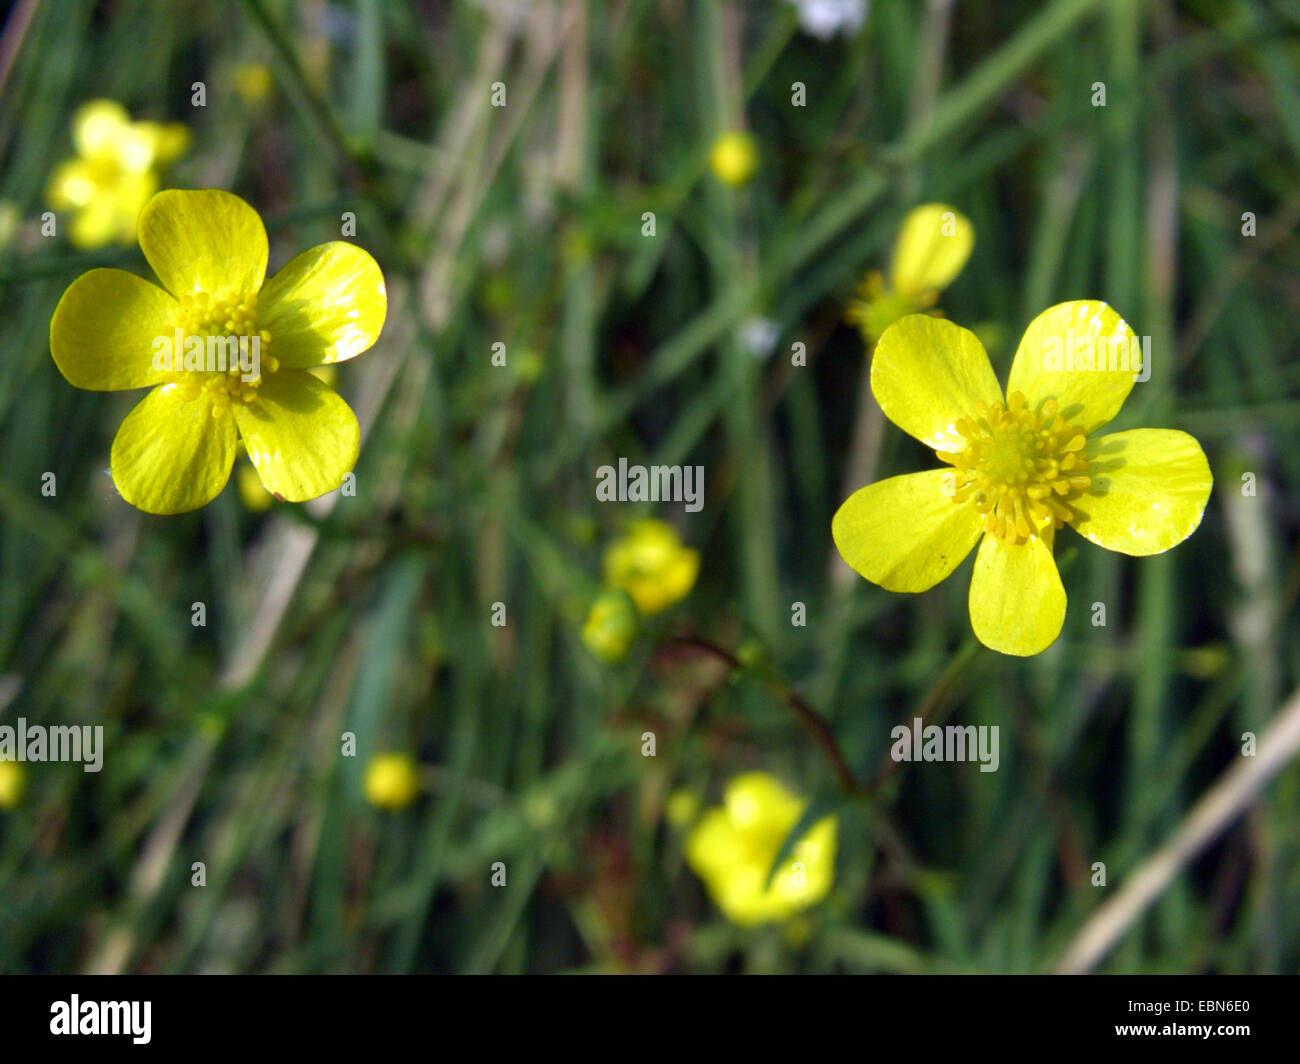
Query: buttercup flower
[392, 781]
[733, 846]
[114, 331]
[1021, 468]
[611, 626]
[651, 564]
[933, 245]
[11, 784]
[734, 158]
[114, 173]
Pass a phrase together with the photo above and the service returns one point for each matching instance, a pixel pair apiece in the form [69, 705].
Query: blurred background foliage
[524, 225]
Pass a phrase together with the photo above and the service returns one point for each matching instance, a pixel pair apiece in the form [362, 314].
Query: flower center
[1021, 467]
[221, 349]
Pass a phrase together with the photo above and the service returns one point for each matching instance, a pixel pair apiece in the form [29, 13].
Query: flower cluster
[647, 570]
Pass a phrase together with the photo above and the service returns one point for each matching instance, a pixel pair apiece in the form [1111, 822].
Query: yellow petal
[101, 222]
[1149, 490]
[170, 455]
[72, 184]
[325, 306]
[806, 876]
[1017, 603]
[905, 533]
[1058, 356]
[927, 374]
[209, 241]
[933, 245]
[102, 332]
[301, 436]
[97, 126]
[167, 141]
[714, 846]
[758, 804]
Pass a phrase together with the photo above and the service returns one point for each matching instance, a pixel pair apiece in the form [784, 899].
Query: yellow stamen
[228, 317]
[1020, 468]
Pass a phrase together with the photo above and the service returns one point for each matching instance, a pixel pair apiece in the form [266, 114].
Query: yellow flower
[734, 158]
[392, 781]
[933, 245]
[1021, 468]
[11, 784]
[113, 331]
[114, 173]
[733, 846]
[651, 565]
[611, 626]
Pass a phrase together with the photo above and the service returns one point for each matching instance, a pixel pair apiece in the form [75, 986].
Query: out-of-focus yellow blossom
[392, 781]
[253, 82]
[113, 331]
[12, 781]
[650, 563]
[733, 846]
[1020, 468]
[734, 158]
[611, 626]
[933, 245]
[114, 173]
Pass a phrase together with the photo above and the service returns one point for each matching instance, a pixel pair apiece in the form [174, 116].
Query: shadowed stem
[936, 704]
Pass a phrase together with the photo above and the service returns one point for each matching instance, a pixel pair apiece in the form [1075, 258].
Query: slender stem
[813, 721]
[935, 706]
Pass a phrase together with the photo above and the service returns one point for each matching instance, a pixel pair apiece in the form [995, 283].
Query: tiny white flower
[825, 18]
[758, 336]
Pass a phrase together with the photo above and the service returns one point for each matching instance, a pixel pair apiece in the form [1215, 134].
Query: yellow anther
[1020, 467]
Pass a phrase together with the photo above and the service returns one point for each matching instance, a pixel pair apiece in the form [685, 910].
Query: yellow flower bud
[392, 781]
[933, 245]
[611, 626]
[734, 158]
[12, 780]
